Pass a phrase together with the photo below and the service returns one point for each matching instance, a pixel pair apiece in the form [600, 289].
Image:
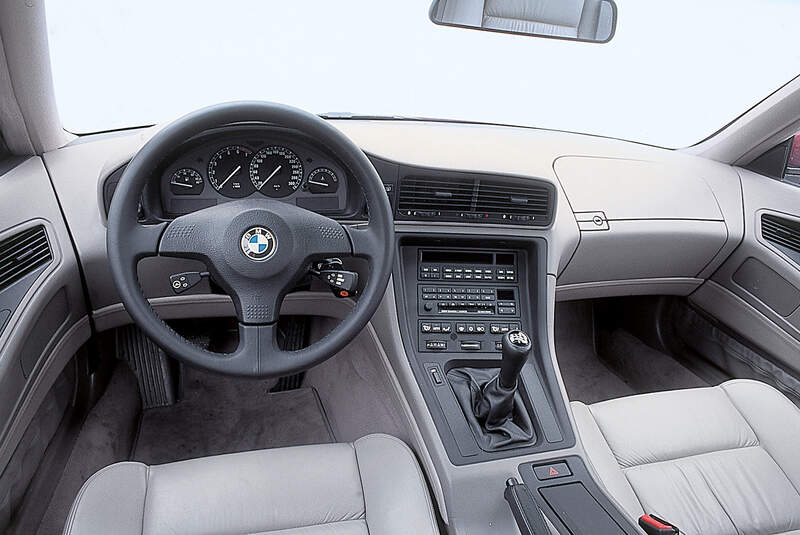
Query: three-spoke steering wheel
[255, 249]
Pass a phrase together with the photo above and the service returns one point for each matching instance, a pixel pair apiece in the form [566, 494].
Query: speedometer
[276, 171]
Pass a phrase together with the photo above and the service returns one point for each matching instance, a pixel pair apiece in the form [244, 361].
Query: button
[436, 327]
[436, 377]
[498, 346]
[429, 289]
[480, 328]
[446, 327]
[426, 327]
[470, 346]
[494, 328]
[551, 471]
[506, 311]
[436, 344]
[461, 328]
[471, 328]
[489, 291]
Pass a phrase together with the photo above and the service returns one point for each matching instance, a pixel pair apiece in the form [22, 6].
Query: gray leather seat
[373, 485]
[723, 460]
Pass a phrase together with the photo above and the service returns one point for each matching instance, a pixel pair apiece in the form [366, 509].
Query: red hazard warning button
[551, 471]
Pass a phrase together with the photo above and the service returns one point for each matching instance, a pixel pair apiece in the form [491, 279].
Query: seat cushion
[722, 460]
[373, 485]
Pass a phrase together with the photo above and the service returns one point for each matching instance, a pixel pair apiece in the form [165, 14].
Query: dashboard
[251, 162]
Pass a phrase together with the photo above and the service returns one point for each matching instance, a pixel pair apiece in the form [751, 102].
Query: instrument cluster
[228, 165]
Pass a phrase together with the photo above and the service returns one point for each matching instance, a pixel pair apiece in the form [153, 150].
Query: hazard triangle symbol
[553, 471]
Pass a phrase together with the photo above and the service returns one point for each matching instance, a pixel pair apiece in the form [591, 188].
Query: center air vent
[783, 234]
[422, 194]
[22, 254]
[519, 201]
[477, 199]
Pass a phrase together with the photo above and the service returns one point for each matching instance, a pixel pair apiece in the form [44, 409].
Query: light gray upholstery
[372, 486]
[723, 460]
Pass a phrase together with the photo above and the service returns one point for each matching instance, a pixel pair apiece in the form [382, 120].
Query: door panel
[756, 292]
[42, 305]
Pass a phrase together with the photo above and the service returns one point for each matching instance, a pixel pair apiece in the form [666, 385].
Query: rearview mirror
[578, 20]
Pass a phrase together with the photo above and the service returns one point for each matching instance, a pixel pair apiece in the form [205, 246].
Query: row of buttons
[467, 328]
[453, 273]
[457, 289]
[467, 297]
[437, 327]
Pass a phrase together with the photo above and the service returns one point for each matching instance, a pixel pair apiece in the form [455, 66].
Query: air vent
[477, 199]
[427, 194]
[518, 201]
[23, 253]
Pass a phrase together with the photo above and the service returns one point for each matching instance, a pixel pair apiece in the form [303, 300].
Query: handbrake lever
[526, 512]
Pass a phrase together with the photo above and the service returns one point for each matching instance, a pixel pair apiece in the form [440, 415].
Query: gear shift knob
[516, 348]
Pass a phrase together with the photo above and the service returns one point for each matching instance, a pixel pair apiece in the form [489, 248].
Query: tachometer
[227, 171]
[186, 181]
[276, 171]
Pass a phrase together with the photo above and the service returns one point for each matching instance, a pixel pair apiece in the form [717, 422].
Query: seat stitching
[144, 500]
[716, 497]
[676, 459]
[603, 436]
[736, 407]
[361, 484]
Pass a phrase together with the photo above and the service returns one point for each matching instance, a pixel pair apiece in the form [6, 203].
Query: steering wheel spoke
[257, 302]
[143, 240]
[365, 242]
[186, 236]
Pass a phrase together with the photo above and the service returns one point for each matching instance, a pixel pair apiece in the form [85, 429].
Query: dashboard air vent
[427, 195]
[518, 201]
[477, 199]
[22, 253]
[781, 232]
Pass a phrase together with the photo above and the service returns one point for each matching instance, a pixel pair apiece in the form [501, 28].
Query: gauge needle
[181, 184]
[275, 172]
[238, 168]
[311, 181]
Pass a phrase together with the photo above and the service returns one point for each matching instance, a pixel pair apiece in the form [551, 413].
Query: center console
[458, 298]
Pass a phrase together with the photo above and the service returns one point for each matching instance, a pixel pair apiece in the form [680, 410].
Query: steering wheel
[255, 249]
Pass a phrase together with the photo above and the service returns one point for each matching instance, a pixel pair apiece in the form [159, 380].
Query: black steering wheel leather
[214, 236]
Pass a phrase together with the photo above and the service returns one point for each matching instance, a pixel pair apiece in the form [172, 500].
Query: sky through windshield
[670, 77]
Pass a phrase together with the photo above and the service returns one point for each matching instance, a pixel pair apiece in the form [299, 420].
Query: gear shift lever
[516, 349]
[491, 400]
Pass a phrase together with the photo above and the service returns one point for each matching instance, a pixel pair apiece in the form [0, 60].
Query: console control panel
[458, 336]
[483, 301]
[466, 300]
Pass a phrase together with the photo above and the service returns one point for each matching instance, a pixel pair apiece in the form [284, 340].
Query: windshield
[671, 76]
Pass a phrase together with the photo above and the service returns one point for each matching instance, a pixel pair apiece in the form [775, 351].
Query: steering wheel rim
[294, 229]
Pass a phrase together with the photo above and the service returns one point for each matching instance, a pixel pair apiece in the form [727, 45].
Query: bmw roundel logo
[259, 244]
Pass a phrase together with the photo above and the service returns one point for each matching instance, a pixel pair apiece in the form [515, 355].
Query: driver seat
[373, 485]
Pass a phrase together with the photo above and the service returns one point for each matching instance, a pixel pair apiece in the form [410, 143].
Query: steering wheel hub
[259, 244]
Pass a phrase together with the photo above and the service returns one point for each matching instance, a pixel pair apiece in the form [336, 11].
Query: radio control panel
[466, 300]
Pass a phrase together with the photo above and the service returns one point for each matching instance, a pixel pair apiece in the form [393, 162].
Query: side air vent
[23, 253]
[782, 233]
[476, 198]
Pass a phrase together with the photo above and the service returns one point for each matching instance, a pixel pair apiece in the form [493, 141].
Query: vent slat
[23, 253]
[782, 232]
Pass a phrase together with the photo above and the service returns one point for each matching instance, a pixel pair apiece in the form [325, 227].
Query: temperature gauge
[186, 181]
[322, 180]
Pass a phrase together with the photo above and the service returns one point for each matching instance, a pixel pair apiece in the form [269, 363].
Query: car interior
[253, 318]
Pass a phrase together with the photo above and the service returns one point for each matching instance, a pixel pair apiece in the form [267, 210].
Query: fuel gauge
[186, 181]
[322, 180]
